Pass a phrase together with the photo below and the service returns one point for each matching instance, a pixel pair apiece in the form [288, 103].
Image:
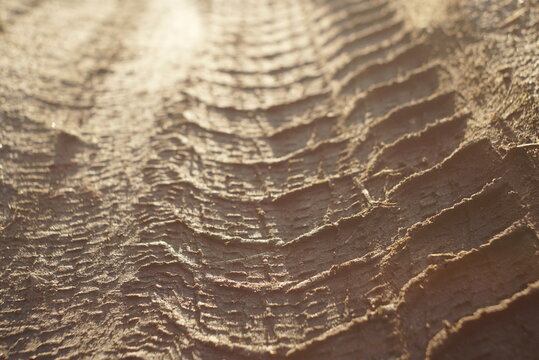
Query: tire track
[310, 184]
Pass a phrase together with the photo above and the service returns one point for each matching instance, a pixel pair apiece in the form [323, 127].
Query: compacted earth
[269, 179]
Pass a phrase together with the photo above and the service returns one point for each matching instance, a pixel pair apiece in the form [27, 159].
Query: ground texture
[263, 179]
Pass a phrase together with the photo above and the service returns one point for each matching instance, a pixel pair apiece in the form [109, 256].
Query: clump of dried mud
[269, 179]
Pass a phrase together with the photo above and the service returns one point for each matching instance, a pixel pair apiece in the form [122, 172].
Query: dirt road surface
[269, 179]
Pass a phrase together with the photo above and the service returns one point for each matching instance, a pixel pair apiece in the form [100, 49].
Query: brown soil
[262, 179]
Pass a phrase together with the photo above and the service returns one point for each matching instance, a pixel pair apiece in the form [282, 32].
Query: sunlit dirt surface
[256, 179]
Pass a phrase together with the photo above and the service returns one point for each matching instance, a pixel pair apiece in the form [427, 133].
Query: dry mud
[263, 179]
